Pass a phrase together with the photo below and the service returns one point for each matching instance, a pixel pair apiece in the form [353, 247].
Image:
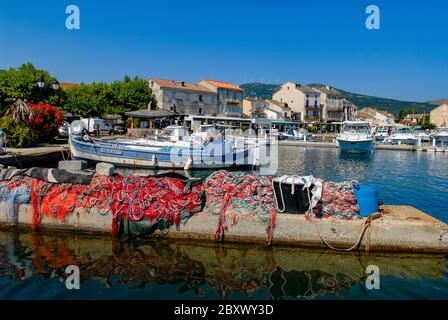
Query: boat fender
[86, 137]
[188, 164]
[154, 160]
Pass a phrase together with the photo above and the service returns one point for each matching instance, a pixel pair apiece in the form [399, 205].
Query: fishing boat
[402, 135]
[355, 137]
[440, 135]
[172, 148]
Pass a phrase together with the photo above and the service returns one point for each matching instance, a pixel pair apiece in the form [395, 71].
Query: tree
[404, 113]
[426, 124]
[99, 99]
[21, 83]
[130, 94]
[88, 99]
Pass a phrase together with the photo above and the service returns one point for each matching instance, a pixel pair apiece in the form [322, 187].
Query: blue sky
[237, 41]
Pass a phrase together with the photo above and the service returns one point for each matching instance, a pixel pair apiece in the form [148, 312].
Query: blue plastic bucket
[367, 198]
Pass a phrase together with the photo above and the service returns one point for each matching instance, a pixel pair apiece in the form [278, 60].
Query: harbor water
[32, 264]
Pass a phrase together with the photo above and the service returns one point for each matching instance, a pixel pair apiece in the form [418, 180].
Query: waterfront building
[183, 97]
[350, 110]
[254, 108]
[277, 110]
[229, 97]
[412, 119]
[332, 103]
[375, 116]
[439, 115]
[304, 101]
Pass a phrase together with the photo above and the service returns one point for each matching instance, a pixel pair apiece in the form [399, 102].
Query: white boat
[382, 133]
[440, 135]
[355, 137]
[300, 134]
[402, 135]
[421, 134]
[172, 149]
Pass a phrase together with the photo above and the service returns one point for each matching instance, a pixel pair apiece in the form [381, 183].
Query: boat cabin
[356, 127]
[174, 133]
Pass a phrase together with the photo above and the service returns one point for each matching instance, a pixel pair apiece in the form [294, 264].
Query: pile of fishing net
[237, 194]
[163, 201]
[337, 201]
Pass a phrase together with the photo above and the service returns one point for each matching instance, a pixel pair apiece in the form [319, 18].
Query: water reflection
[192, 271]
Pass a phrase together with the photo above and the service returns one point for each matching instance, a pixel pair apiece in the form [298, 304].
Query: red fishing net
[134, 198]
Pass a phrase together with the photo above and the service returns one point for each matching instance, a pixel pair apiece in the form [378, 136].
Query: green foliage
[26, 124]
[21, 83]
[389, 105]
[99, 99]
[404, 113]
[19, 135]
[426, 124]
[259, 90]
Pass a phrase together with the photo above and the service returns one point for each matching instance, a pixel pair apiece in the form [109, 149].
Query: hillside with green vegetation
[259, 90]
[265, 91]
[438, 102]
[390, 105]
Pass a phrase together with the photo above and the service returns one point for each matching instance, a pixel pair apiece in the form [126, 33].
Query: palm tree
[19, 112]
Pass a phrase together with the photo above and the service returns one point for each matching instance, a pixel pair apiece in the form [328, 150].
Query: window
[307, 103]
[307, 95]
[200, 110]
[200, 97]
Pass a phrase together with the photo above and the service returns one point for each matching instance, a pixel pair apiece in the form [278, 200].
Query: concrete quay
[400, 229]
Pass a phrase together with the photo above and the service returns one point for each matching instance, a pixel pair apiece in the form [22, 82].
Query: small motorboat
[440, 135]
[300, 134]
[172, 148]
[288, 135]
[355, 137]
[382, 133]
[421, 134]
[402, 135]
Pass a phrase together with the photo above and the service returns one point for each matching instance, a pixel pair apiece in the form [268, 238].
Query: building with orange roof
[230, 97]
[183, 97]
[68, 85]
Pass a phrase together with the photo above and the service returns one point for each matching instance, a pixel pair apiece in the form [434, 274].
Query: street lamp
[41, 83]
[55, 85]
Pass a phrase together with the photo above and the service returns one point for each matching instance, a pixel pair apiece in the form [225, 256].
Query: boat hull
[150, 157]
[409, 141]
[364, 146]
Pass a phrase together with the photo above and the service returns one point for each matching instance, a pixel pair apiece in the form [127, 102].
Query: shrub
[18, 135]
[26, 125]
[47, 119]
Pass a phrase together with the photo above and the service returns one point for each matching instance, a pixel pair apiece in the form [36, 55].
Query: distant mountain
[259, 90]
[390, 105]
[438, 102]
[265, 91]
